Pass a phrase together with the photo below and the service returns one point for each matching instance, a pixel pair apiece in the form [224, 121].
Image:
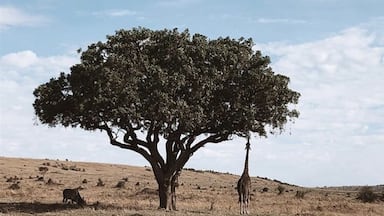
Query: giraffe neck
[246, 158]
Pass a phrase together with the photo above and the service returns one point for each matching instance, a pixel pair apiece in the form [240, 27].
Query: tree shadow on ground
[34, 207]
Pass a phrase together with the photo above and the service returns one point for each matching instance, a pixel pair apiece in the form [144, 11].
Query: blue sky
[333, 50]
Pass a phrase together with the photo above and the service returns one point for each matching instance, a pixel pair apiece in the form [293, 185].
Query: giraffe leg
[246, 207]
[241, 205]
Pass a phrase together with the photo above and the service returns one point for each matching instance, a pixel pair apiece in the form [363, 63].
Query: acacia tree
[164, 88]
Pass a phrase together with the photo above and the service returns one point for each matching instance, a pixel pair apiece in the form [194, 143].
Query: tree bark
[167, 191]
[163, 196]
[174, 185]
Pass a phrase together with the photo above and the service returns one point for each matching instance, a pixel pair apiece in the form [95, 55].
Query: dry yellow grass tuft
[126, 190]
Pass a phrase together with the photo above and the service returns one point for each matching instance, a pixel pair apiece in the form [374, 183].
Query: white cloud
[27, 65]
[342, 104]
[115, 13]
[177, 3]
[21, 59]
[280, 20]
[11, 17]
[20, 73]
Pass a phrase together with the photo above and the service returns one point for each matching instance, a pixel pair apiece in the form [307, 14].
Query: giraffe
[244, 184]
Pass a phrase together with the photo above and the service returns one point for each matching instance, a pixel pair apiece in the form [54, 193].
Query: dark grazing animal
[74, 196]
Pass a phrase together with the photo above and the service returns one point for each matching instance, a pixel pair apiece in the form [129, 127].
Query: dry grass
[199, 193]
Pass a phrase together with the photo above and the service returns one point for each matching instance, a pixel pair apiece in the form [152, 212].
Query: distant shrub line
[367, 195]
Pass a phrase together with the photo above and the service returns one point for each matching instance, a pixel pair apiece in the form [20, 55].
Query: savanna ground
[26, 187]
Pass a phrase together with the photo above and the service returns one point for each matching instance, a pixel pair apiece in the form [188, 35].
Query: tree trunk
[174, 185]
[163, 196]
[167, 192]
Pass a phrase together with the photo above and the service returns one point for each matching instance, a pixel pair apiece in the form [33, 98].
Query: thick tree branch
[153, 131]
[216, 138]
[150, 132]
[155, 153]
[129, 146]
[189, 139]
[182, 159]
[156, 134]
[131, 138]
[171, 157]
[179, 162]
[173, 146]
[181, 143]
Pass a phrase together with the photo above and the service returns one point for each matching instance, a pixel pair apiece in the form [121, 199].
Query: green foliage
[168, 84]
[171, 81]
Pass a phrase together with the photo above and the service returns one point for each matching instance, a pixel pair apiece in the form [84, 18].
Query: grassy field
[26, 187]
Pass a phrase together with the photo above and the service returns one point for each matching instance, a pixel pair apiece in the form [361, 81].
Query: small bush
[14, 186]
[43, 169]
[120, 184]
[74, 168]
[280, 189]
[13, 179]
[382, 197]
[51, 182]
[300, 194]
[100, 183]
[46, 164]
[367, 195]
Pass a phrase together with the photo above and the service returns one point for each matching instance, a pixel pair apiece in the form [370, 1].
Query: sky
[332, 50]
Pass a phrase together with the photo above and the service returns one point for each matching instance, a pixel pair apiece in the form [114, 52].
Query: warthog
[74, 196]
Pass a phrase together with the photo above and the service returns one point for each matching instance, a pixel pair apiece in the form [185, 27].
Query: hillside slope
[35, 187]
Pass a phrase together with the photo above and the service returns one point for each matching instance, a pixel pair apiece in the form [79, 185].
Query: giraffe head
[247, 146]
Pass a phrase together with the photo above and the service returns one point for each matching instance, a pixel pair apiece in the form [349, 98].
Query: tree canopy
[169, 84]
